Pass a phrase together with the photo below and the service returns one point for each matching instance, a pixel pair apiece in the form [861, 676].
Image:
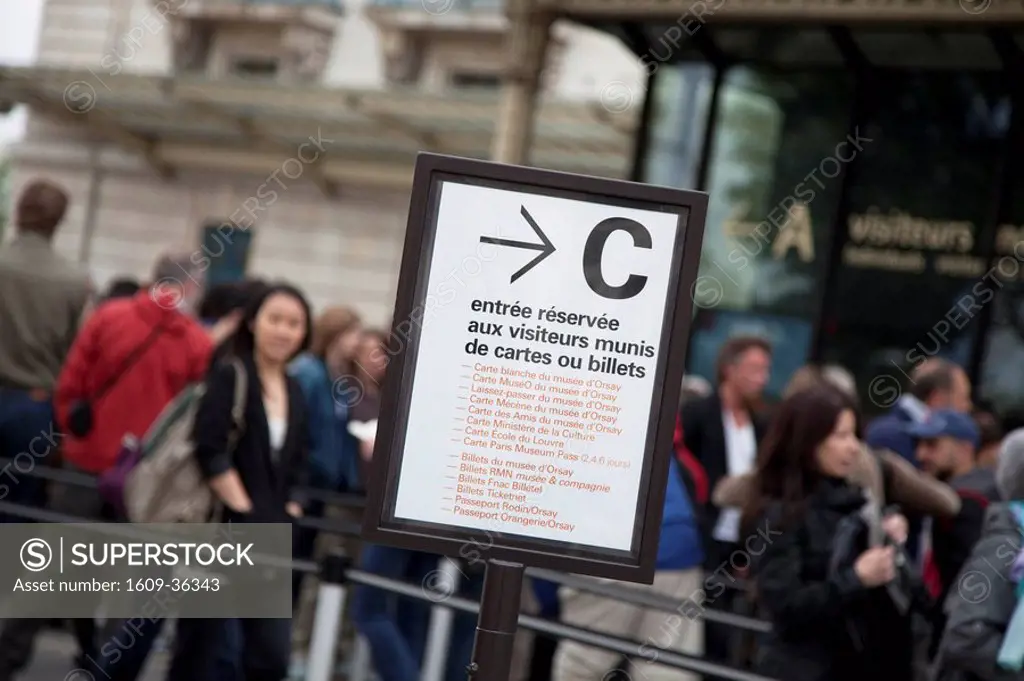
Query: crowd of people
[857, 541]
[883, 549]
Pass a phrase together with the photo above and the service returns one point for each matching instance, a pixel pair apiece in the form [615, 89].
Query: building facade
[276, 137]
[863, 157]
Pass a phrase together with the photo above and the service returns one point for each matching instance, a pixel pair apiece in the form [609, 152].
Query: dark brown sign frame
[379, 523]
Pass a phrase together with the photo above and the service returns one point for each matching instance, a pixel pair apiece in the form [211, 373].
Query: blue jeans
[208, 650]
[28, 436]
[395, 631]
[414, 615]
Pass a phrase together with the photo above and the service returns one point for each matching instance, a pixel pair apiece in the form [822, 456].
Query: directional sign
[545, 246]
[538, 350]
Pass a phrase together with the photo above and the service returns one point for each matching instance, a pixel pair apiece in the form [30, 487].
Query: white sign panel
[532, 392]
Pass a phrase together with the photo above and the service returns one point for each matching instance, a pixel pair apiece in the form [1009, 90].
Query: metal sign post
[498, 621]
[535, 365]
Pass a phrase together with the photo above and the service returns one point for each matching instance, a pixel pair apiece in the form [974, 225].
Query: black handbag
[80, 413]
[907, 590]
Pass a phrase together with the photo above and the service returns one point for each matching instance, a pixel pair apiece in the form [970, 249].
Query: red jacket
[176, 358]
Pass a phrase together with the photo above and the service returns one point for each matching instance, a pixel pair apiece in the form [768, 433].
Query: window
[680, 99]
[1000, 381]
[255, 67]
[475, 80]
[773, 200]
[224, 252]
[192, 50]
[773, 181]
[919, 223]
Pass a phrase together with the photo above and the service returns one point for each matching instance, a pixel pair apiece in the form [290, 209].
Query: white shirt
[278, 430]
[740, 454]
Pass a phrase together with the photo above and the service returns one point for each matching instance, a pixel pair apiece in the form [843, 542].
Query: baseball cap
[947, 423]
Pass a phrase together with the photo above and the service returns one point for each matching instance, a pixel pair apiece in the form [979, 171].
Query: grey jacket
[981, 604]
[42, 300]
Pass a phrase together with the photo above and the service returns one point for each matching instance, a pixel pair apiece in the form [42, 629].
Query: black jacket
[704, 436]
[826, 625]
[981, 606]
[954, 539]
[271, 482]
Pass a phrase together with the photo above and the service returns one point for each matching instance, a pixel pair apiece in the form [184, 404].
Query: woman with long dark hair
[254, 480]
[826, 591]
[323, 373]
[886, 477]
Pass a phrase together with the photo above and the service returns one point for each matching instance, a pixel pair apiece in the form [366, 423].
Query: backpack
[167, 485]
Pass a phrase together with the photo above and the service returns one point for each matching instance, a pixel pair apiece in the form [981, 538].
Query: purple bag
[112, 481]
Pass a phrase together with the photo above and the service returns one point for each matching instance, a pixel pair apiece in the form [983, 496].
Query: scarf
[1011, 652]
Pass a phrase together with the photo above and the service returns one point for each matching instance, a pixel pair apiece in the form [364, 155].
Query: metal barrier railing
[336, 572]
[625, 647]
[335, 5]
[459, 6]
[646, 599]
[353, 529]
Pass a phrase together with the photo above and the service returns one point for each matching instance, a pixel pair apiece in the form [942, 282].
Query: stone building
[276, 137]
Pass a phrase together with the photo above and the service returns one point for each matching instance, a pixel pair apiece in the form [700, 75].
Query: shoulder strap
[876, 471]
[238, 403]
[129, 361]
[975, 496]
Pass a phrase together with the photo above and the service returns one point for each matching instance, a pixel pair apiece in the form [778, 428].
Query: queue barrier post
[442, 618]
[330, 606]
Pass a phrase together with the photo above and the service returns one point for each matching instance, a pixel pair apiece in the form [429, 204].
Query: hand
[876, 566]
[241, 509]
[224, 327]
[896, 527]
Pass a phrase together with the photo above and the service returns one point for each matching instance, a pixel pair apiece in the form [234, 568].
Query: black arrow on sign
[546, 248]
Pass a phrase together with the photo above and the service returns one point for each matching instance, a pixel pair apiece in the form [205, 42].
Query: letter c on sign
[593, 252]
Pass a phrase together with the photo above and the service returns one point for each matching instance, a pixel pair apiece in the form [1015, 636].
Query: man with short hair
[42, 299]
[947, 444]
[722, 431]
[934, 384]
[132, 357]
